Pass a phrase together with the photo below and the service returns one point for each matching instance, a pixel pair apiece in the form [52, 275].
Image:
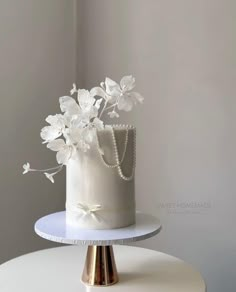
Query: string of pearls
[115, 149]
[119, 162]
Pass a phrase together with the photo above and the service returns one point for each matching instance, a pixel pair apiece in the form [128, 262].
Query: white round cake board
[53, 227]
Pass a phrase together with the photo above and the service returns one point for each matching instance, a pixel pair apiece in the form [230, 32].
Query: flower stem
[104, 107]
[111, 106]
[59, 167]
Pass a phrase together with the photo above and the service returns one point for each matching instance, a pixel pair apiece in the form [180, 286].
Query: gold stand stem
[100, 266]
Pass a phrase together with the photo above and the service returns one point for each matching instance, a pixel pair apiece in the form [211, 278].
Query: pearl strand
[118, 161]
[127, 178]
[115, 150]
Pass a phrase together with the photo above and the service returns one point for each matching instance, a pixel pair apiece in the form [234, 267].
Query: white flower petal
[110, 83]
[98, 124]
[26, 168]
[73, 90]
[98, 91]
[112, 99]
[127, 83]
[75, 121]
[66, 101]
[68, 118]
[83, 95]
[98, 103]
[50, 133]
[57, 120]
[85, 99]
[56, 145]
[125, 103]
[88, 135]
[63, 155]
[51, 120]
[69, 105]
[49, 176]
[136, 97]
[74, 135]
[112, 88]
[90, 113]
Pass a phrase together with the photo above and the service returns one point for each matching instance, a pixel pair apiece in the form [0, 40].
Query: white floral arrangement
[75, 128]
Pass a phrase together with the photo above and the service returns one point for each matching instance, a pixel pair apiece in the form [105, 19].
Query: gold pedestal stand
[100, 266]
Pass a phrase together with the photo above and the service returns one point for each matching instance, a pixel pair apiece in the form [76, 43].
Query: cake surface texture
[100, 183]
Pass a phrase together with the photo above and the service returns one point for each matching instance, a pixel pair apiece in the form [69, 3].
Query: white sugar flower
[50, 176]
[88, 104]
[57, 125]
[79, 122]
[82, 137]
[76, 136]
[85, 99]
[128, 100]
[98, 91]
[87, 137]
[57, 121]
[49, 133]
[113, 114]
[89, 107]
[80, 114]
[73, 90]
[81, 118]
[26, 168]
[127, 83]
[88, 134]
[98, 103]
[120, 93]
[69, 106]
[112, 88]
[98, 124]
[64, 151]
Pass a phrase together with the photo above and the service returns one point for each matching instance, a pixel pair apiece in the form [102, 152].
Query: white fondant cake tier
[100, 193]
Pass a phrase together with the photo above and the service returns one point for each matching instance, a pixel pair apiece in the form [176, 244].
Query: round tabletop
[53, 227]
[59, 269]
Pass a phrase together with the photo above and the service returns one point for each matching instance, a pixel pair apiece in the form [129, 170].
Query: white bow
[86, 209]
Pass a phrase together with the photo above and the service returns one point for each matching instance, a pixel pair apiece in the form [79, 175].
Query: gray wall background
[36, 67]
[182, 54]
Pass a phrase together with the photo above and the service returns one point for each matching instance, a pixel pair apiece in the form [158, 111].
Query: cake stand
[100, 266]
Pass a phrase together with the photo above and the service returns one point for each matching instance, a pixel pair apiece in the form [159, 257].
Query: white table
[59, 270]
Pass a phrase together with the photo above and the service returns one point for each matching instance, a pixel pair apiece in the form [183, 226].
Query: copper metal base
[100, 266]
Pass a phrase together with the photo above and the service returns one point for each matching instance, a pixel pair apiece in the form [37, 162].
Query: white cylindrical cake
[100, 188]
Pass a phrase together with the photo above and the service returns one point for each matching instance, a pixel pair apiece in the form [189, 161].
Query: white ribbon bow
[87, 210]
